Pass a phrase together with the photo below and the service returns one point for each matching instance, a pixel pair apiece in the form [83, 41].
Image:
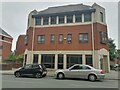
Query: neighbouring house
[5, 45]
[65, 35]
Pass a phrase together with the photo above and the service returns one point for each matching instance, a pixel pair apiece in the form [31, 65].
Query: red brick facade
[74, 30]
[6, 45]
[20, 46]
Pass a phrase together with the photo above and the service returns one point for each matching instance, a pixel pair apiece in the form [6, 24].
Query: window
[61, 19]
[73, 59]
[35, 58]
[101, 16]
[78, 18]
[60, 61]
[37, 21]
[87, 17]
[26, 40]
[36, 67]
[103, 37]
[70, 19]
[89, 60]
[75, 68]
[83, 38]
[41, 39]
[69, 38]
[60, 38]
[52, 40]
[45, 20]
[48, 60]
[53, 20]
[3, 37]
[29, 66]
[86, 67]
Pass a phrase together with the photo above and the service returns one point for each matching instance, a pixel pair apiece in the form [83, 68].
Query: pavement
[112, 75]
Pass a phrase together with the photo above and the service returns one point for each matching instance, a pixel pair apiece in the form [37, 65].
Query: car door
[26, 70]
[36, 68]
[73, 72]
[84, 71]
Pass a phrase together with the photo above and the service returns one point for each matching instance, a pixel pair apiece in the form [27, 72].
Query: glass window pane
[41, 38]
[89, 60]
[103, 37]
[83, 37]
[61, 19]
[37, 21]
[87, 17]
[78, 18]
[26, 40]
[35, 58]
[69, 38]
[52, 38]
[70, 19]
[48, 60]
[45, 20]
[61, 38]
[53, 20]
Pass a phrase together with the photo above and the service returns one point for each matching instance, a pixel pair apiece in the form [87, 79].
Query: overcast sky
[15, 15]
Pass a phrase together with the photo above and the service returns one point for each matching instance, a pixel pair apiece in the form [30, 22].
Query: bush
[14, 59]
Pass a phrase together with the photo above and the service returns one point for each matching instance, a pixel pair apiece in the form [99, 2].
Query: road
[9, 81]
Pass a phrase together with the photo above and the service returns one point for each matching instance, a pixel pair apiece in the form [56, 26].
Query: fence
[10, 66]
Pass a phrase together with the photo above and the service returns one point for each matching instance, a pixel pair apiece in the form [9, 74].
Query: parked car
[80, 71]
[37, 70]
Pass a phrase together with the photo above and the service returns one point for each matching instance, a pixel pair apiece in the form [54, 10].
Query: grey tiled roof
[67, 8]
[2, 32]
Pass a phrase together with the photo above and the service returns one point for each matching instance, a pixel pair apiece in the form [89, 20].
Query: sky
[15, 15]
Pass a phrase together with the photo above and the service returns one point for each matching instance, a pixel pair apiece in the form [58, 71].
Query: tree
[112, 49]
[118, 54]
[14, 58]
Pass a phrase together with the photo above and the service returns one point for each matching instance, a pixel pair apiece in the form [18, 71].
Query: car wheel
[92, 78]
[44, 75]
[38, 75]
[17, 74]
[60, 76]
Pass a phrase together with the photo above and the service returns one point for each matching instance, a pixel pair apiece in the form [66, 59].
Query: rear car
[36, 70]
[80, 71]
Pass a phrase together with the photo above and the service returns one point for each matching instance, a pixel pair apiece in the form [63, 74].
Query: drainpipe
[93, 47]
[33, 38]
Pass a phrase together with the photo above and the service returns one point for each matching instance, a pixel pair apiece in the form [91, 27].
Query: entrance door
[104, 63]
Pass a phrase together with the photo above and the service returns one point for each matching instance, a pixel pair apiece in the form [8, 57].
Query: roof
[2, 32]
[67, 8]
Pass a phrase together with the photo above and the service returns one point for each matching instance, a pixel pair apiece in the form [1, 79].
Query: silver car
[80, 71]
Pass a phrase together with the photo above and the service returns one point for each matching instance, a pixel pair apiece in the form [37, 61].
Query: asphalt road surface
[9, 81]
